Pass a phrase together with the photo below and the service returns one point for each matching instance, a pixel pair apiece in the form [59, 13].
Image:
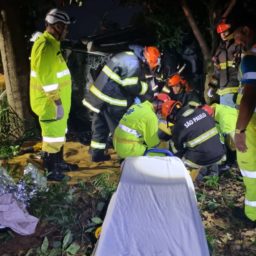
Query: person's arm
[246, 109]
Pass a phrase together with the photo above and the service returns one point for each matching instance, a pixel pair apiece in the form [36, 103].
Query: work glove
[211, 92]
[59, 110]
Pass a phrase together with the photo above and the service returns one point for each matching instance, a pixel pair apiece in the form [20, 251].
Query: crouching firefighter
[122, 79]
[195, 138]
[137, 131]
[50, 92]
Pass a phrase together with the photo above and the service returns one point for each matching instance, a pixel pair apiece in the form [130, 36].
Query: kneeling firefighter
[137, 131]
[194, 138]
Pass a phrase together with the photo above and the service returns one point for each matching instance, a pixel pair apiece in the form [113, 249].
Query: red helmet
[160, 98]
[152, 55]
[170, 107]
[208, 109]
[222, 27]
[175, 80]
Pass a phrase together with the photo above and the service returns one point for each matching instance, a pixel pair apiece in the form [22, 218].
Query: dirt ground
[226, 235]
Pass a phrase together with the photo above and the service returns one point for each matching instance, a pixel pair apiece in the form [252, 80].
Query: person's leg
[247, 165]
[100, 132]
[53, 134]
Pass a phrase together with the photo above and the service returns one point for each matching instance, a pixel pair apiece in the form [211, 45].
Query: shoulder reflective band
[90, 106]
[98, 145]
[188, 112]
[115, 77]
[63, 73]
[129, 130]
[224, 65]
[33, 73]
[202, 138]
[227, 90]
[106, 98]
[112, 74]
[144, 88]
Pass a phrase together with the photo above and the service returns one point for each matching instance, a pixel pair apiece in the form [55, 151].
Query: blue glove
[137, 100]
[59, 110]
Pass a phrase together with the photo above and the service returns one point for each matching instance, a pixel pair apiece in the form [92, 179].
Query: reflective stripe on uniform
[193, 103]
[229, 64]
[98, 145]
[224, 91]
[53, 139]
[91, 107]
[174, 149]
[248, 174]
[129, 130]
[106, 98]
[63, 73]
[249, 75]
[130, 81]
[250, 203]
[166, 89]
[50, 87]
[114, 76]
[202, 138]
[33, 73]
[144, 88]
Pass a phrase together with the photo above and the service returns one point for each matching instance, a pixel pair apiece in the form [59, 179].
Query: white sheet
[153, 212]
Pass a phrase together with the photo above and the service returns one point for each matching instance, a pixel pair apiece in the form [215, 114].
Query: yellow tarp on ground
[74, 152]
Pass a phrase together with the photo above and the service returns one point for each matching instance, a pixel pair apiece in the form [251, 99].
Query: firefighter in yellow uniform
[137, 131]
[245, 132]
[50, 91]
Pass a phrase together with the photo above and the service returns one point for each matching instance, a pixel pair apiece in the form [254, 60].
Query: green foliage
[212, 181]
[64, 247]
[104, 184]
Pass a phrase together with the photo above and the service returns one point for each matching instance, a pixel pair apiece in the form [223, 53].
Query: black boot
[98, 155]
[66, 167]
[50, 162]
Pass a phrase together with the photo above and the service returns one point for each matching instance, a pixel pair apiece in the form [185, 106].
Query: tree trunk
[15, 59]
[196, 31]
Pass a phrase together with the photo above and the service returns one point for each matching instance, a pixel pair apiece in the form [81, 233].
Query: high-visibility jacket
[137, 131]
[246, 160]
[196, 138]
[225, 117]
[120, 81]
[226, 67]
[50, 81]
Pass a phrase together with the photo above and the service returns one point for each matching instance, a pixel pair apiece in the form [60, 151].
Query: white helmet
[56, 15]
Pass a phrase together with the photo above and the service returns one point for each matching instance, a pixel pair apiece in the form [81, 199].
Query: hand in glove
[59, 110]
[211, 92]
